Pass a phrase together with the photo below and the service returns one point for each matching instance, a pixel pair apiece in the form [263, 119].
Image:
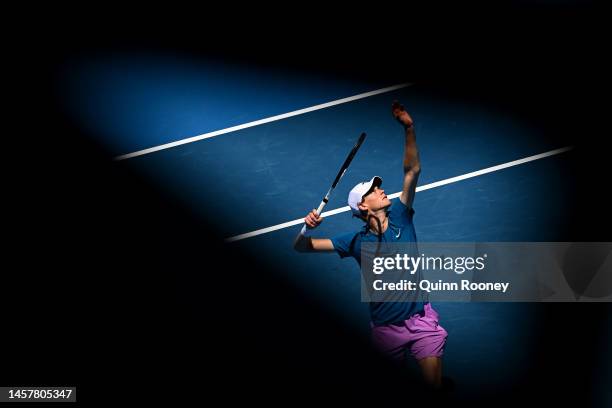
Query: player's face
[376, 199]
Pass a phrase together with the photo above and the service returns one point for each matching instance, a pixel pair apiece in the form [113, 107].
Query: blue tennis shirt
[399, 229]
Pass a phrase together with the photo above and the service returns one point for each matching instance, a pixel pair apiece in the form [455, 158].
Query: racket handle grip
[303, 231]
[321, 206]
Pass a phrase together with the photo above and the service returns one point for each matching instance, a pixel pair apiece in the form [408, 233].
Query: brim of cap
[375, 182]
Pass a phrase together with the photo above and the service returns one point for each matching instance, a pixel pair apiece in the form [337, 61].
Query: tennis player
[398, 328]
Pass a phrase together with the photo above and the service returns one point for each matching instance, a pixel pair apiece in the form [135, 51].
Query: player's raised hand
[400, 114]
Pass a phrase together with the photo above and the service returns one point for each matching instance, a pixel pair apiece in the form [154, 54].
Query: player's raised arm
[412, 165]
[307, 244]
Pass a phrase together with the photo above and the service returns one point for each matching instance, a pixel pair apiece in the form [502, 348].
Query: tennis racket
[343, 170]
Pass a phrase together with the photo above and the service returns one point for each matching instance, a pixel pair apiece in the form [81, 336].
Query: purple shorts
[421, 334]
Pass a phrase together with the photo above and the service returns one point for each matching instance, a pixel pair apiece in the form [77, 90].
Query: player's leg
[428, 343]
[431, 368]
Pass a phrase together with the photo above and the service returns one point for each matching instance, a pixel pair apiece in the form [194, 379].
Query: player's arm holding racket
[412, 164]
[303, 243]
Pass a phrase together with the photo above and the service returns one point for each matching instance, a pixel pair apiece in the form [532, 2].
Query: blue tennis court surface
[276, 172]
[144, 100]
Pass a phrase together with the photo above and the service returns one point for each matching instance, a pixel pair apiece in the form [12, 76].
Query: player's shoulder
[348, 237]
[348, 244]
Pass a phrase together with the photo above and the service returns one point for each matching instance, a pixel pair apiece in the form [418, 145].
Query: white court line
[259, 122]
[420, 188]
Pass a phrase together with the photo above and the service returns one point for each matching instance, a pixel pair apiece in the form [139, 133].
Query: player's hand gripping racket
[343, 169]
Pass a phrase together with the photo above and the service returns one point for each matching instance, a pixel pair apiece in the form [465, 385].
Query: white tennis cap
[356, 195]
